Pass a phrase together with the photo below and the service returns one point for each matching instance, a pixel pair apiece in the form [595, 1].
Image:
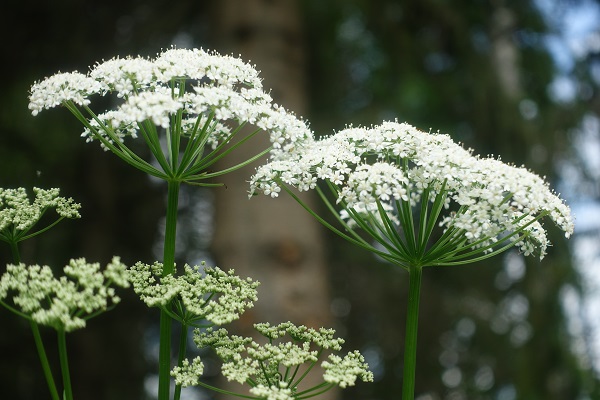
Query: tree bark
[274, 241]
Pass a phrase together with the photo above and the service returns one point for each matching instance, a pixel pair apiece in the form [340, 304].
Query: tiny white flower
[272, 392]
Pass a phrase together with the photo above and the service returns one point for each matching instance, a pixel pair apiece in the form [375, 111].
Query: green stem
[307, 370]
[41, 230]
[181, 356]
[164, 354]
[223, 391]
[164, 357]
[64, 364]
[170, 228]
[14, 248]
[326, 386]
[410, 341]
[37, 337]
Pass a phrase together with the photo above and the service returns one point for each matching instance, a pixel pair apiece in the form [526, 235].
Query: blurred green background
[512, 78]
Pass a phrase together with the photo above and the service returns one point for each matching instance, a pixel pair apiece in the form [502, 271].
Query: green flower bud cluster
[67, 302]
[275, 366]
[199, 293]
[18, 214]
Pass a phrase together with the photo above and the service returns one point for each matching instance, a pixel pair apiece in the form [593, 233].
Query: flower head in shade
[185, 104]
[398, 184]
[67, 302]
[19, 214]
[275, 366]
[198, 294]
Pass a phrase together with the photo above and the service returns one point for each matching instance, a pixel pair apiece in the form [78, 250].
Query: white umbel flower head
[380, 174]
[186, 97]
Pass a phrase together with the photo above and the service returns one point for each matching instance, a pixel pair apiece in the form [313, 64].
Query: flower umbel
[394, 182]
[18, 214]
[63, 303]
[274, 369]
[344, 371]
[187, 105]
[199, 294]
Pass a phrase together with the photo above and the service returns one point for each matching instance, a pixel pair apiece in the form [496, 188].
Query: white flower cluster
[57, 89]
[273, 392]
[323, 338]
[64, 303]
[394, 162]
[208, 293]
[224, 90]
[18, 213]
[188, 374]
[273, 369]
[344, 371]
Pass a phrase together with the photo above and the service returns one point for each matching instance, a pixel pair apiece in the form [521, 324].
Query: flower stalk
[39, 345]
[410, 338]
[64, 364]
[165, 323]
[183, 339]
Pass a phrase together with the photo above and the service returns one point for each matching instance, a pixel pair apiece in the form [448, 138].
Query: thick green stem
[14, 248]
[64, 364]
[164, 354]
[410, 342]
[170, 228]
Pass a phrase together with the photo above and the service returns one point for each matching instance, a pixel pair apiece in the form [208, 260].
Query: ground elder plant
[418, 200]
[190, 109]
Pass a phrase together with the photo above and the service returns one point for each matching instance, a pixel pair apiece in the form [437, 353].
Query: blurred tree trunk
[505, 54]
[272, 240]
